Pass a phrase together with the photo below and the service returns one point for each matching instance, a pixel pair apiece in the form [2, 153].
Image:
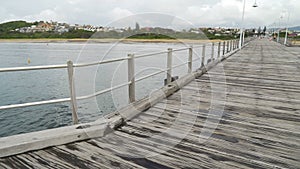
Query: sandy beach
[105, 41]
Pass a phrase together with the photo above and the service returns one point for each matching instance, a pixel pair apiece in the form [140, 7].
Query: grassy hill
[7, 32]
[8, 26]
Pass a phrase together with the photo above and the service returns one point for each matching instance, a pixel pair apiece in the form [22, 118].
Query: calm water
[29, 86]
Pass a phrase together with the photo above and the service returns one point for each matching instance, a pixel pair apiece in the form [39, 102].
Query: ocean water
[30, 86]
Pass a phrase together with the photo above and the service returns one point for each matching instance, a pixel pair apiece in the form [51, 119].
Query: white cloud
[118, 13]
[198, 12]
[73, 1]
[47, 15]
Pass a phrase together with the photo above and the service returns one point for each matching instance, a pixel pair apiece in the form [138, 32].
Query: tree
[259, 31]
[264, 30]
[137, 26]
[10, 26]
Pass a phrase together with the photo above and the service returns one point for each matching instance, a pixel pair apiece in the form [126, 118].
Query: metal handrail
[64, 66]
[161, 71]
[164, 52]
[99, 63]
[102, 91]
[180, 49]
[150, 75]
[14, 69]
[131, 82]
[150, 54]
[35, 103]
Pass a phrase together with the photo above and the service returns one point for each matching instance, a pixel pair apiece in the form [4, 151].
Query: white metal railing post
[227, 46]
[224, 48]
[286, 30]
[203, 56]
[169, 66]
[190, 62]
[219, 49]
[131, 78]
[72, 92]
[212, 51]
[243, 41]
[234, 44]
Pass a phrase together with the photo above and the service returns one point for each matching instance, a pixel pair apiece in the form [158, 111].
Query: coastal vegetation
[8, 26]
[44, 30]
[55, 30]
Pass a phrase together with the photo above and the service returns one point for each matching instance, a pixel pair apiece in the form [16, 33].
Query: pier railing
[223, 47]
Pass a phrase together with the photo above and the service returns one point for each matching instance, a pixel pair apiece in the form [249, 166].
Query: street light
[278, 35]
[242, 35]
[287, 29]
[255, 4]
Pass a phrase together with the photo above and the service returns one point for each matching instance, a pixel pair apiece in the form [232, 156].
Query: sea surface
[31, 86]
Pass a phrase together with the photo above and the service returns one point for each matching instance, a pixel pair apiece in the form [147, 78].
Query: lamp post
[274, 26]
[242, 34]
[278, 37]
[241, 30]
[255, 4]
[287, 29]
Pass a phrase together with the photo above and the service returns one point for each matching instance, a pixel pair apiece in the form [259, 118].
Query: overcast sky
[172, 13]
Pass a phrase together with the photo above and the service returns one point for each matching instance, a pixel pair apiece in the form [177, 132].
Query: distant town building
[61, 28]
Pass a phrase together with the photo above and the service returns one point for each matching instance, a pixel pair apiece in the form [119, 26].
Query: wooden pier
[258, 125]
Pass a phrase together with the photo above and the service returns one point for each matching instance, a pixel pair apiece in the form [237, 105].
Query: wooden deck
[259, 127]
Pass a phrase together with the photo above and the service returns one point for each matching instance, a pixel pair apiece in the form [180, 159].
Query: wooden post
[219, 49]
[203, 56]
[72, 92]
[212, 51]
[169, 66]
[131, 78]
[190, 62]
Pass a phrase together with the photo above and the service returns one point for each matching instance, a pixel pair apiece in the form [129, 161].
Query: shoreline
[106, 40]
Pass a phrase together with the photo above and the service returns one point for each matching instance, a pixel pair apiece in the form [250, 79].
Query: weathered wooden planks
[259, 126]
